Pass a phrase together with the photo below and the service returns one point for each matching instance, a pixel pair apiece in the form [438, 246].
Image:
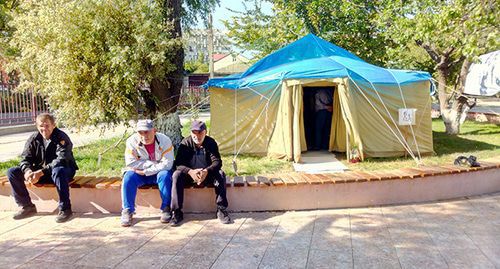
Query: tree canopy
[90, 58]
[452, 33]
[348, 24]
[442, 37]
[6, 7]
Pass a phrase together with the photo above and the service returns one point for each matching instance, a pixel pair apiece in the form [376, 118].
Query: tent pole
[348, 149]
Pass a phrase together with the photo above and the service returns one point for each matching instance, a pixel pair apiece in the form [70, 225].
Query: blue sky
[222, 13]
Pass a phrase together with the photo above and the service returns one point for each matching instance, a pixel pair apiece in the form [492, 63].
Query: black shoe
[177, 218]
[223, 216]
[64, 215]
[26, 211]
[166, 215]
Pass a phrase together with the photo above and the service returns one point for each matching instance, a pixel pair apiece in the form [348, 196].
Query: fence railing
[193, 96]
[19, 108]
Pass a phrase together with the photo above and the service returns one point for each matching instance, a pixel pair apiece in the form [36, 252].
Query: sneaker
[177, 218]
[26, 211]
[64, 215]
[126, 218]
[223, 216]
[166, 215]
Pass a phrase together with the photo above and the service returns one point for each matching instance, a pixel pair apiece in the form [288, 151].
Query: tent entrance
[317, 114]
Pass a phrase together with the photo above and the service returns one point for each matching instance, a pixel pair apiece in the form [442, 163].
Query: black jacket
[187, 150]
[58, 153]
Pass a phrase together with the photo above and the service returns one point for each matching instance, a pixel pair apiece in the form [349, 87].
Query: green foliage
[4, 166]
[6, 7]
[254, 30]
[193, 10]
[345, 23]
[198, 66]
[89, 58]
[457, 29]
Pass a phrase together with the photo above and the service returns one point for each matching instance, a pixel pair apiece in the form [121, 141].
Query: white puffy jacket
[137, 157]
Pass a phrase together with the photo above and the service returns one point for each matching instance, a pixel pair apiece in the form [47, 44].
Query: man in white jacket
[149, 157]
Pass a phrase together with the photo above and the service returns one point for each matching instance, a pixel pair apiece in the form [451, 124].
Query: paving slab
[450, 234]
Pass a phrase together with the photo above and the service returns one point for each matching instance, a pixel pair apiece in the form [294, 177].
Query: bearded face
[198, 136]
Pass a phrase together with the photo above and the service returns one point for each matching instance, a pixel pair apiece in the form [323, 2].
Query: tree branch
[449, 51]
[434, 55]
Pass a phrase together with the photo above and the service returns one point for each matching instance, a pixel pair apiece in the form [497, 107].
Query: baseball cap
[198, 125]
[144, 125]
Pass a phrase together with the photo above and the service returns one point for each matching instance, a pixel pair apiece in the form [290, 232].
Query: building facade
[196, 44]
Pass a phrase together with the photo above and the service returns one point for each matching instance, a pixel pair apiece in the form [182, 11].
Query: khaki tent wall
[338, 131]
[371, 134]
[279, 130]
[254, 121]
[288, 139]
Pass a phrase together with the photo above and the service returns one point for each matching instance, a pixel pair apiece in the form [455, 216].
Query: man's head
[198, 132]
[45, 123]
[146, 131]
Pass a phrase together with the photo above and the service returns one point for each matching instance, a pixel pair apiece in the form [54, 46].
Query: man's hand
[329, 108]
[203, 175]
[28, 175]
[36, 176]
[195, 174]
[139, 172]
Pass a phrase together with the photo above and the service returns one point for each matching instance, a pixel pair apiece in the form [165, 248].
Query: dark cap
[198, 125]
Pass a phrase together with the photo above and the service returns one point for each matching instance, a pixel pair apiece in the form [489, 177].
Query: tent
[483, 77]
[377, 112]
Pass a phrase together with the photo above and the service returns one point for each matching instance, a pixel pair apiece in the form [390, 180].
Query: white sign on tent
[407, 116]
[483, 77]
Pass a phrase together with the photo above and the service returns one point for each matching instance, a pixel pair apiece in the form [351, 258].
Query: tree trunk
[167, 89]
[447, 114]
[454, 116]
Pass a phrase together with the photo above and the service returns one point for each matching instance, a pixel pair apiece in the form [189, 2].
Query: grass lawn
[478, 139]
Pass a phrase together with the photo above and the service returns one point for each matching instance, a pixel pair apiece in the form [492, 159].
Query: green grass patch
[254, 165]
[478, 139]
[112, 162]
[4, 166]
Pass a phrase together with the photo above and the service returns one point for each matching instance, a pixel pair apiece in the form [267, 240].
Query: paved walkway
[12, 145]
[452, 234]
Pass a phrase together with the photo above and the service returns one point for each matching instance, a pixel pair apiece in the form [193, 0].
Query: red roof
[218, 56]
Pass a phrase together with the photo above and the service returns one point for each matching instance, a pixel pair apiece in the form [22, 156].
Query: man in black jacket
[47, 157]
[198, 162]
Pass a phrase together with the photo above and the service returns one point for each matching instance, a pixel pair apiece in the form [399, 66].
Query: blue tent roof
[313, 57]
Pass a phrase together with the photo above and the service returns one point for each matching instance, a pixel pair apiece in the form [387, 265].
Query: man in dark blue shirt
[47, 158]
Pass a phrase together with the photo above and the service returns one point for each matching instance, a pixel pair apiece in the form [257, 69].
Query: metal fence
[19, 108]
[193, 96]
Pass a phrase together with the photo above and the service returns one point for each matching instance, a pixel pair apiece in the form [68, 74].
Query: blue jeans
[60, 176]
[132, 181]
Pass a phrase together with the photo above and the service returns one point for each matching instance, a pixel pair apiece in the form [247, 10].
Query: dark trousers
[323, 122]
[61, 176]
[216, 179]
